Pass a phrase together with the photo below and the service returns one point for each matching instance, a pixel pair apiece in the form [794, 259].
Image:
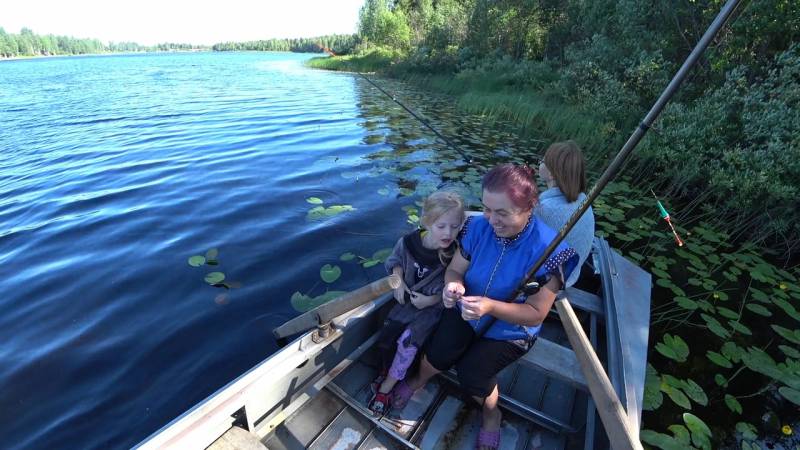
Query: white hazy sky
[197, 22]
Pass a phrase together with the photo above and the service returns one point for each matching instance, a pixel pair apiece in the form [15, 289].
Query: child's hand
[452, 293]
[400, 293]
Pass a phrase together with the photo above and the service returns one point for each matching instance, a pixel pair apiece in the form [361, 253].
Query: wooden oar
[325, 313]
[621, 434]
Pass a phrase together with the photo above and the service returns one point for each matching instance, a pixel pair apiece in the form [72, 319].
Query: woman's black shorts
[477, 361]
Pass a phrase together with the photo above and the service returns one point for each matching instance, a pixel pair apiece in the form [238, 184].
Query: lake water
[116, 169]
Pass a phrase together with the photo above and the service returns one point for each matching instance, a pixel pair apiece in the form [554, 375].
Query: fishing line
[464, 156]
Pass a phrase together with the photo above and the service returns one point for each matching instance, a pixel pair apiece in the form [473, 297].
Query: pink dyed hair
[515, 181]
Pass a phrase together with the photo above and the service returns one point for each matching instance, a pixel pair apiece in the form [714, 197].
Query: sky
[149, 22]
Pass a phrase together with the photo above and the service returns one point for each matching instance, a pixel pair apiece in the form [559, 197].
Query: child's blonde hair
[435, 206]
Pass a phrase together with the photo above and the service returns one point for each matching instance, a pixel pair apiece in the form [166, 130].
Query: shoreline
[25, 57]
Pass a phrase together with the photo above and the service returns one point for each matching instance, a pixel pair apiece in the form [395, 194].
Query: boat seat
[556, 361]
[583, 300]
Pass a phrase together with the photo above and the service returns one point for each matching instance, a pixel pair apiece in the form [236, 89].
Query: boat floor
[438, 416]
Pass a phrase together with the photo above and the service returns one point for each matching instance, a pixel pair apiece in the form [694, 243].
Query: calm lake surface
[117, 169]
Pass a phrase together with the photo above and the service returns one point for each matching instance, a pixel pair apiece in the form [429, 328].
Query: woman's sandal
[401, 394]
[489, 439]
[380, 403]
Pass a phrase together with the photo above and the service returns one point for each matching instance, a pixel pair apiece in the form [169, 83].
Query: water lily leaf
[758, 309]
[215, 277]
[660, 273]
[699, 430]
[314, 200]
[732, 351]
[706, 306]
[748, 430]
[793, 395]
[673, 347]
[686, 303]
[382, 254]
[759, 295]
[727, 313]
[694, 281]
[738, 326]
[790, 351]
[212, 254]
[664, 282]
[676, 395]
[347, 256]
[196, 261]
[652, 390]
[786, 307]
[660, 440]
[695, 392]
[715, 327]
[677, 291]
[329, 273]
[383, 191]
[303, 303]
[369, 263]
[789, 335]
[681, 434]
[733, 404]
[718, 359]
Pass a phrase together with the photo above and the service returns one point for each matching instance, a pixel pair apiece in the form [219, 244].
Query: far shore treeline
[29, 44]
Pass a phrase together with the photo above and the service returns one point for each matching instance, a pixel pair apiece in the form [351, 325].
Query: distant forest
[338, 43]
[27, 43]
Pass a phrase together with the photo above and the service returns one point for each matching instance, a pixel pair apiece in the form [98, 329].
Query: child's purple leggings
[403, 357]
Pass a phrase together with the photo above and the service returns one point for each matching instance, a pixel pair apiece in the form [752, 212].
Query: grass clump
[368, 61]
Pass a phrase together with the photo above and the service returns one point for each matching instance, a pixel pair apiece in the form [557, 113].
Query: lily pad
[212, 254]
[695, 392]
[793, 395]
[738, 326]
[660, 440]
[314, 200]
[789, 335]
[215, 277]
[197, 260]
[329, 273]
[791, 352]
[676, 395]
[681, 434]
[758, 309]
[718, 359]
[748, 430]
[673, 347]
[733, 404]
[727, 313]
[302, 303]
[686, 303]
[653, 398]
[347, 256]
[699, 430]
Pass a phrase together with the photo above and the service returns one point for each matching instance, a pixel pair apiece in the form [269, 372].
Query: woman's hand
[475, 307]
[452, 293]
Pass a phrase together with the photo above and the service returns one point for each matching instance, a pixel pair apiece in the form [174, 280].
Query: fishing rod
[529, 284]
[424, 122]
